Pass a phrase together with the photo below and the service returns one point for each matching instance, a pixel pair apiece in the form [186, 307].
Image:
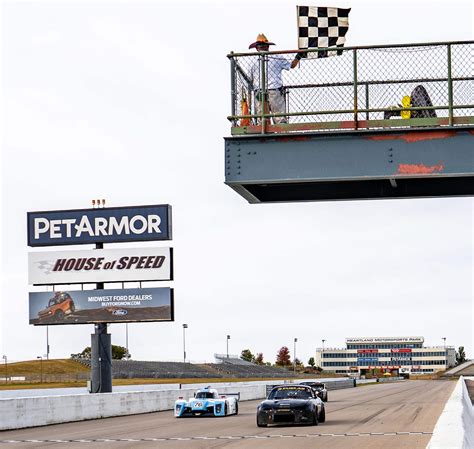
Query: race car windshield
[288, 393]
[204, 395]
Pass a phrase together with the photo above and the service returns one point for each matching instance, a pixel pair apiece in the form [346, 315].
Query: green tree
[259, 359]
[460, 355]
[299, 364]
[85, 354]
[283, 357]
[311, 362]
[247, 355]
[118, 352]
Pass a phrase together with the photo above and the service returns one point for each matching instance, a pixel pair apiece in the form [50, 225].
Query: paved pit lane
[399, 415]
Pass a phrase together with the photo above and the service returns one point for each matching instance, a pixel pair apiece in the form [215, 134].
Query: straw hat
[261, 40]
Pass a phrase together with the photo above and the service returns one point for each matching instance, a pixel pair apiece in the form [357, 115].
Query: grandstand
[233, 367]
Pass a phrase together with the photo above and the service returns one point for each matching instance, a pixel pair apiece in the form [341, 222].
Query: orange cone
[245, 111]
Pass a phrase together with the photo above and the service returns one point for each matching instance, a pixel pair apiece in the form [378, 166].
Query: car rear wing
[231, 394]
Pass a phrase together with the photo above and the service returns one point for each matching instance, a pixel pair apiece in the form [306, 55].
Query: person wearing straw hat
[272, 95]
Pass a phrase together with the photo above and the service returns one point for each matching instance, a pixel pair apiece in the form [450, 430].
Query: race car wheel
[326, 399]
[315, 418]
[226, 410]
[236, 408]
[259, 424]
[322, 415]
[59, 315]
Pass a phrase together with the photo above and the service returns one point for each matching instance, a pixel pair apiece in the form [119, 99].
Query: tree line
[283, 359]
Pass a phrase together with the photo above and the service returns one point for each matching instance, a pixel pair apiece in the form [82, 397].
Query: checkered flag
[321, 28]
[46, 266]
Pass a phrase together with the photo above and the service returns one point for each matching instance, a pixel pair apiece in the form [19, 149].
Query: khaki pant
[276, 101]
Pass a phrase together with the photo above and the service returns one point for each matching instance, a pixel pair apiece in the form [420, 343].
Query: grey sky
[128, 101]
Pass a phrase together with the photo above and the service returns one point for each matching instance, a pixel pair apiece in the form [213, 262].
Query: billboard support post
[101, 353]
[101, 360]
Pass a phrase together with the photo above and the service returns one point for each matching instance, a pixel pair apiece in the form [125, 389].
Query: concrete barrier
[455, 426]
[330, 383]
[19, 413]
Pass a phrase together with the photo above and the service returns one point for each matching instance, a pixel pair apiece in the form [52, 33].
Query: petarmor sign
[108, 225]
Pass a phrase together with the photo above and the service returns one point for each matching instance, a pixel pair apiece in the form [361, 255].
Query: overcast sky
[127, 101]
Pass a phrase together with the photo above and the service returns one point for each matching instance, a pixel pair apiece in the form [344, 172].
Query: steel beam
[344, 165]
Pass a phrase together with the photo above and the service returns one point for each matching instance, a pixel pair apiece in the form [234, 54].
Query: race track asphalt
[389, 416]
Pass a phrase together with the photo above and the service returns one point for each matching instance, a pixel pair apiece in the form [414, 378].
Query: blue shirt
[275, 64]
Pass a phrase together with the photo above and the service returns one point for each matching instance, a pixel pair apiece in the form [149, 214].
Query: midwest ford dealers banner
[98, 306]
[100, 265]
[108, 225]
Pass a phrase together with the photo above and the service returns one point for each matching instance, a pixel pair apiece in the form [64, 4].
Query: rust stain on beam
[419, 169]
[416, 137]
[293, 138]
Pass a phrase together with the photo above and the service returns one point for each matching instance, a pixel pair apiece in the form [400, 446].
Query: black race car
[320, 389]
[291, 404]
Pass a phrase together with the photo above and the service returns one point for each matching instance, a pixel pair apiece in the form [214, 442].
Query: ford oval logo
[119, 312]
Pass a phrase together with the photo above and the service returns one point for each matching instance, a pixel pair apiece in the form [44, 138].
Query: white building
[390, 354]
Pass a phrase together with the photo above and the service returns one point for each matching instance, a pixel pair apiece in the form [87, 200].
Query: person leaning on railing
[273, 95]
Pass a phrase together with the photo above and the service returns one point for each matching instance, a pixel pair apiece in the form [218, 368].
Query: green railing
[361, 88]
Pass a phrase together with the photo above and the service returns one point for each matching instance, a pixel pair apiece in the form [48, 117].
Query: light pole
[41, 366]
[47, 342]
[185, 326]
[294, 355]
[228, 338]
[322, 353]
[4, 357]
[445, 353]
[127, 355]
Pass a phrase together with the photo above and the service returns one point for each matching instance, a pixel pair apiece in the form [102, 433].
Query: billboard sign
[107, 225]
[367, 361]
[401, 359]
[98, 306]
[100, 265]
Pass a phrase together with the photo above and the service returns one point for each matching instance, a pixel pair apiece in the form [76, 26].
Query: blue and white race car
[207, 401]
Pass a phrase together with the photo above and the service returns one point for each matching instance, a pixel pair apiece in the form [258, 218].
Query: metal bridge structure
[372, 122]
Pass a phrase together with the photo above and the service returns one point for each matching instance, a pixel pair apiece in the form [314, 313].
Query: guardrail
[455, 426]
[361, 88]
